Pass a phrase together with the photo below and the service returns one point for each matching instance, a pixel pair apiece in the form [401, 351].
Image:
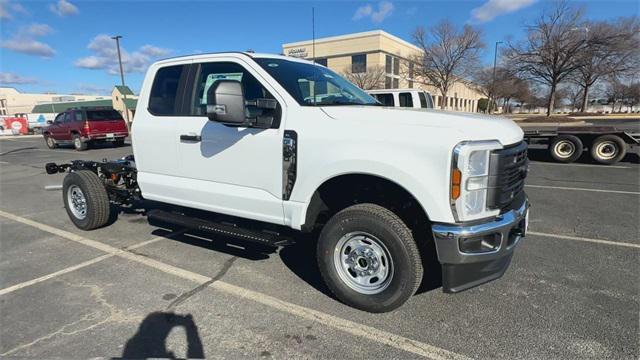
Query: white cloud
[8, 9]
[25, 41]
[15, 79]
[63, 8]
[105, 56]
[494, 8]
[385, 9]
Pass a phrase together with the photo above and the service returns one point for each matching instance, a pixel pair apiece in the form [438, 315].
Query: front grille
[508, 168]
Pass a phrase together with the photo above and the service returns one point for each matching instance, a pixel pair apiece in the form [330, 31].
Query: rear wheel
[566, 148]
[78, 144]
[368, 258]
[118, 143]
[51, 143]
[608, 149]
[85, 200]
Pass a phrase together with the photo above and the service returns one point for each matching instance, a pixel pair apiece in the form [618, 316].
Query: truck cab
[389, 194]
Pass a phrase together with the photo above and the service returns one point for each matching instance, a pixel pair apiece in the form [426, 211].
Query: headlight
[469, 180]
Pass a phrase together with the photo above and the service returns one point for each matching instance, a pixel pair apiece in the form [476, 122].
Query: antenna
[313, 33]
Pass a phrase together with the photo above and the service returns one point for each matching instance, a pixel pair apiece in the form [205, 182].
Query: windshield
[314, 85]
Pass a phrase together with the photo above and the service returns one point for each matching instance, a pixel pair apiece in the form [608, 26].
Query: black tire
[118, 143]
[566, 148]
[608, 149]
[96, 200]
[51, 143]
[78, 144]
[389, 230]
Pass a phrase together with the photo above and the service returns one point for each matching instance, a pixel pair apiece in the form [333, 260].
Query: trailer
[607, 144]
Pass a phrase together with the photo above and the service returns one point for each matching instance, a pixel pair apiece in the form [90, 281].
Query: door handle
[190, 137]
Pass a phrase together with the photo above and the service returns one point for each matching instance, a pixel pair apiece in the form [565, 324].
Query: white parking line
[583, 189]
[353, 328]
[581, 165]
[583, 239]
[84, 264]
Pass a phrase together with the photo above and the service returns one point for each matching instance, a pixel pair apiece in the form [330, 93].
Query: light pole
[493, 79]
[124, 96]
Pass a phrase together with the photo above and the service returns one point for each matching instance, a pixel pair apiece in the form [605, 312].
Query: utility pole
[493, 81]
[124, 96]
[313, 32]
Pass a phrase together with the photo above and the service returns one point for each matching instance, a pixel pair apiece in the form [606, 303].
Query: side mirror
[225, 103]
[49, 122]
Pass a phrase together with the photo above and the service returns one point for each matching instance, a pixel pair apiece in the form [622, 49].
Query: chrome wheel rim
[607, 150]
[363, 263]
[77, 202]
[564, 149]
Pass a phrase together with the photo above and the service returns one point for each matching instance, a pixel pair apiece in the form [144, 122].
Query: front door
[59, 129]
[232, 170]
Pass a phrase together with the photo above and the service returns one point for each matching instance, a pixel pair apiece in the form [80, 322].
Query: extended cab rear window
[103, 115]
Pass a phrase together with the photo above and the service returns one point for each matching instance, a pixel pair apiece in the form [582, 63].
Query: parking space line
[353, 328]
[583, 189]
[578, 238]
[581, 165]
[81, 265]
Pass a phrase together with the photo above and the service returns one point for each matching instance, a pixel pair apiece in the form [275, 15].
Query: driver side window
[58, 119]
[212, 72]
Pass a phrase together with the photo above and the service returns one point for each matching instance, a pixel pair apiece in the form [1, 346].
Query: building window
[410, 84]
[388, 64]
[396, 66]
[387, 82]
[396, 83]
[359, 63]
[322, 61]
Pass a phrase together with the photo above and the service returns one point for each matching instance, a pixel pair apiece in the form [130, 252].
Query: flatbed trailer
[606, 144]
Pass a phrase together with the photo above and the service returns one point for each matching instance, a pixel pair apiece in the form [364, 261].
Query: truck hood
[470, 126]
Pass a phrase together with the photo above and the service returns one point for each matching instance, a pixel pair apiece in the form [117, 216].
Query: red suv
[84, 126]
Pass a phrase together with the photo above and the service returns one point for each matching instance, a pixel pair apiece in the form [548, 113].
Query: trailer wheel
[85, 199]
[369, 259]
[608, 149]
[566, 148]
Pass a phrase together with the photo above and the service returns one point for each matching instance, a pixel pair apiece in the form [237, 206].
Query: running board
[264, 237]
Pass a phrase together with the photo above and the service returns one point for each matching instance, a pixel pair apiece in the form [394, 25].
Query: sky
[65, 46]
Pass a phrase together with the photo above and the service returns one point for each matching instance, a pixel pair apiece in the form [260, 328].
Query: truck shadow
[299, 257]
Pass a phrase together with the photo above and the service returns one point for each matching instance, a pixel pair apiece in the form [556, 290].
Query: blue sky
[64, 46]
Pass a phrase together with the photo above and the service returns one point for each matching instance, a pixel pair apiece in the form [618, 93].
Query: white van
[411, 98]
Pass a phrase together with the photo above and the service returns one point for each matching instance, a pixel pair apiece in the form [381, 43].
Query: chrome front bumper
[497, 239]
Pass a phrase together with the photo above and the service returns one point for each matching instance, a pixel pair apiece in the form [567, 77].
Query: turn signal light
[456, 177]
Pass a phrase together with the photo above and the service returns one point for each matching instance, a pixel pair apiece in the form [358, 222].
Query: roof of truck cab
[236, 53]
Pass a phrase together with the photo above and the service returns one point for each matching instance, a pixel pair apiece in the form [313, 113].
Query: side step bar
[219, 228]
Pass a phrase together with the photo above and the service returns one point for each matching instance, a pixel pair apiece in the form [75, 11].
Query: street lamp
[124, 96]
[493, 81]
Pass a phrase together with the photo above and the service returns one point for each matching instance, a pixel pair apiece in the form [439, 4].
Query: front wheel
[368, 258]
[51, 143]
[85, 199]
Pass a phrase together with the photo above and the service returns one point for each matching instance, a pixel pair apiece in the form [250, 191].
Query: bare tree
[632, 94]
[372, 78]
[612, 49]
[614, 92]
[506, 86]
[448, 54]
[549, 53]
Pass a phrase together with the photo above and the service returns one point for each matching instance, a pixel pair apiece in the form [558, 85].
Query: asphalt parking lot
[134, 290]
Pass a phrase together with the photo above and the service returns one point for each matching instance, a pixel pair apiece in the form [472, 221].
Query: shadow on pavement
[150, 339]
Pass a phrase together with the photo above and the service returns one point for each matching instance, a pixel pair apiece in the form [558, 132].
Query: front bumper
[496, 241]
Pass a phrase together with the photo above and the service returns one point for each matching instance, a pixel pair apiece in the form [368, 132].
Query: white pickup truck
[264, 147]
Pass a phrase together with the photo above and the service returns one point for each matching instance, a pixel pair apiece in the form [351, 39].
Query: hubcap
[77, 202]
[363, 263]
[78, 143]
[50, 141]
[564, 149]
[607, 150]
